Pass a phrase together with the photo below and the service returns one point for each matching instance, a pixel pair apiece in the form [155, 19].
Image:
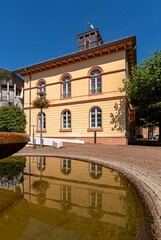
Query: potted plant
[40, 103]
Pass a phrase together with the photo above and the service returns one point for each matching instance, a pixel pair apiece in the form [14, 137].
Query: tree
[12, 119]
[144, 91]
[5, 74]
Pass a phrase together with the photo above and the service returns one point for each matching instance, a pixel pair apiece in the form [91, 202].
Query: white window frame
[66, 165]
[41, 162]
[95, 200]
[95, 81]
[42, 86]
[95, 169]
[66, 87]
[96, 117]
[66, 119]
[43, 121]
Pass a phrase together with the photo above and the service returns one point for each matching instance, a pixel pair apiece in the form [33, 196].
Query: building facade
[84, 92]
[11, 88]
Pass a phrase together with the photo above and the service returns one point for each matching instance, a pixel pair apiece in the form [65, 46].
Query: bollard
[34, 143]
[95, 137]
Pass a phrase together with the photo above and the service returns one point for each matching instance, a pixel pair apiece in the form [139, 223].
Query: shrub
[12, 119]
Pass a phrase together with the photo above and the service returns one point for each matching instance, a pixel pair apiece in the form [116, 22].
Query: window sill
[94, 129]
[63, 98]
[43, 131]
[65, 130]
[93, 94]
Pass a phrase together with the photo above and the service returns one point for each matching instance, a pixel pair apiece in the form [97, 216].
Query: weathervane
[91, 27]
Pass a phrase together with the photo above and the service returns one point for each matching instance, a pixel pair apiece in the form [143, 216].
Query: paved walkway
[141, 164]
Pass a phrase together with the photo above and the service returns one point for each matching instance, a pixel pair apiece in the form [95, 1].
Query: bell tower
[90, 39]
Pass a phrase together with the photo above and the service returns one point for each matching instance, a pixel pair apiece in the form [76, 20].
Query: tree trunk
[159, 131]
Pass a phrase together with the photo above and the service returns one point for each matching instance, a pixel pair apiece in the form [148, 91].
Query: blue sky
[34, 31]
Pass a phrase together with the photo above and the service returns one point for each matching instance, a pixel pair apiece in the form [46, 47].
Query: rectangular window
[42, 120]
[66, 90]
[66, 117]
[95, 118]
[95, 85]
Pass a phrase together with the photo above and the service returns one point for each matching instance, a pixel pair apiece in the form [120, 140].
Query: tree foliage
[12, 166]
[144, 91]
[5, 74]
[12, 119]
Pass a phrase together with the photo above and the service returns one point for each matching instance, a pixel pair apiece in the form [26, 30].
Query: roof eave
[126, 44]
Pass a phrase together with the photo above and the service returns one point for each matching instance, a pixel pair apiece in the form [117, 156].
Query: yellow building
[84, 92]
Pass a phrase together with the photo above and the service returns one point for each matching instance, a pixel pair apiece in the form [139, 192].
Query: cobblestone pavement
[141, 164]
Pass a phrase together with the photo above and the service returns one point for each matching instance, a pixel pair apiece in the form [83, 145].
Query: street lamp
[33, 137]
[42, 96]
[41, 140]
[41, 102]
[29, 74]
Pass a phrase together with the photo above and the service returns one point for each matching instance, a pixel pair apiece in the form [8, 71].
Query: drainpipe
[95, 137]
[29, 100]
[30, 106]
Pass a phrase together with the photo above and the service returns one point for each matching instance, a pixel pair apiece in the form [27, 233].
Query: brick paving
[140, 164]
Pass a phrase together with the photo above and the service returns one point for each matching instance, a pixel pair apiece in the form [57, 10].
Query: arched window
[41, 87]
[66, 119]
[66, 86]
[65, 166]
[95, 81]
[95, 170]
[41, 120]
[41, 163]
[65, 194]
[95, 204]
[96, 117]
[87, 44]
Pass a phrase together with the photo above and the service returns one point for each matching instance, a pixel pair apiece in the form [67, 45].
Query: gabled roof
[127, 44]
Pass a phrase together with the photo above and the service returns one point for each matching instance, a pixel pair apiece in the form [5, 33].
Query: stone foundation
[101, 140]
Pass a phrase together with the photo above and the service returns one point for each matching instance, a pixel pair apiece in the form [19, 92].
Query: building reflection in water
[86, 189]
[65, 202]
[65, 166]
[41, 163]
[95, 170]
[95, 204]
[60, 198]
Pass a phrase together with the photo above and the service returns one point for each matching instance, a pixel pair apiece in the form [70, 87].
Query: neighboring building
[84, 91]
[11, 88]
[149, 132]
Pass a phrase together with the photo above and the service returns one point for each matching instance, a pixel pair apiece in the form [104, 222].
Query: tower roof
[89, 39]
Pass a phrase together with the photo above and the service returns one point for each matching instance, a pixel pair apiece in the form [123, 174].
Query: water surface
[48, 198]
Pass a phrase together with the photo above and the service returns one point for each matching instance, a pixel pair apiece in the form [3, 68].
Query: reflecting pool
[50, 198]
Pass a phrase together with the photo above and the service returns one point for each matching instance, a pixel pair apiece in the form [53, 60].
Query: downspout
[29, 100]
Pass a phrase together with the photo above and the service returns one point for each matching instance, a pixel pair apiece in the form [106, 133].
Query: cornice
[63, 104]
